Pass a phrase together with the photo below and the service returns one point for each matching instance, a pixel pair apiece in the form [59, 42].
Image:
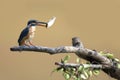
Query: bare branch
[62, 49]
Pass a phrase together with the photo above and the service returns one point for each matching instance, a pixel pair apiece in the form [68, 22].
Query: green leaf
[78, 79]
[117, 60]
[118, 66]
[61, 70]
[74, 77]
[86, 74]
[73, 69]
[57, 69]
[109, 55]
[62, 61]
[80, 68]
[66, 76]
[96, 72]
[83, 76]
[66, 59]
[89, 73]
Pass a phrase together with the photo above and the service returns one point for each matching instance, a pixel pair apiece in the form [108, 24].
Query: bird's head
[39, 23]
[36, 23]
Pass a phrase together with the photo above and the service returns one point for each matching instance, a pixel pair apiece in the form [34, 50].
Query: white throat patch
[33, 28]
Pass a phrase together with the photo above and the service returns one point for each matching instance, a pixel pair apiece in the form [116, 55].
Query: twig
[95, 66]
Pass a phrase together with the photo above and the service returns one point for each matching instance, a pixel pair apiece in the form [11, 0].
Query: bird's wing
[23, 34]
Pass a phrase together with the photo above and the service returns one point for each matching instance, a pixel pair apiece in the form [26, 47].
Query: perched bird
[27, 33]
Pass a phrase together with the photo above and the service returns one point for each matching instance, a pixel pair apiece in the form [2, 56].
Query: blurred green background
[96, 22]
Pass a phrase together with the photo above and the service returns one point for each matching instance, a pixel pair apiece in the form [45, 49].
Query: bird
[27, 34]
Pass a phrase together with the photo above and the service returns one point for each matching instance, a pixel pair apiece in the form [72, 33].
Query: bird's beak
[44, 24]
[47, 24]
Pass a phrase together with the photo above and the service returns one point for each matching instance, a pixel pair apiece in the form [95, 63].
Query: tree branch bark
[90, 55]
[62, 49]
[94, 66]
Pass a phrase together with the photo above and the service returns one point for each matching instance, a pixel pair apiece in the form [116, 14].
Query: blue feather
[23, 34]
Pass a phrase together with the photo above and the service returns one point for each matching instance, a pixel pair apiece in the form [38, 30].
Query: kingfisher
[28, 32]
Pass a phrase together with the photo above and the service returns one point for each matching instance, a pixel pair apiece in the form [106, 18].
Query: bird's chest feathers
[32, 31]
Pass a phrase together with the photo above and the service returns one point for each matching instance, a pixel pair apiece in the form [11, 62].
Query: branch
[77, 48]
[95, 66]
[62, 49]
[86, 54]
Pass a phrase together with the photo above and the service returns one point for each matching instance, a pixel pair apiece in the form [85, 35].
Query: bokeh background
[95, 22]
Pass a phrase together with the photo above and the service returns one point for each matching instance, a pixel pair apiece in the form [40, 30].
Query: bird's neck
[32, 28]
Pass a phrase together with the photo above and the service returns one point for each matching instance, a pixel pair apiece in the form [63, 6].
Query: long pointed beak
[47, 24]
[44, 24]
